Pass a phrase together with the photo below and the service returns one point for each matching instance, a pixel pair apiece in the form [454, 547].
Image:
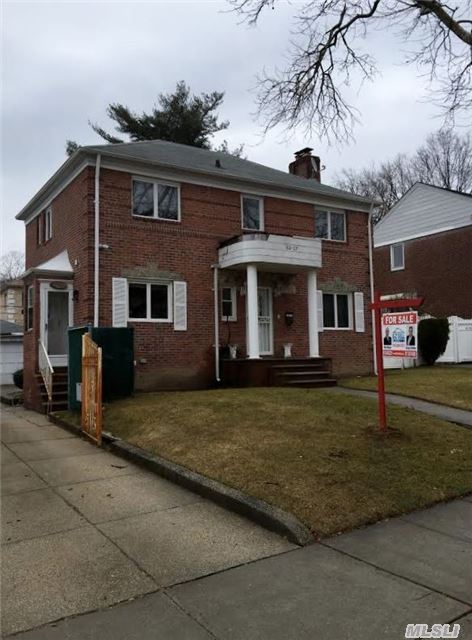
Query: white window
[252, 213]
[330, 225]
[397, 256]
[29, 308]
[150, 302]
[228, 304]
[40, 229]
[48, 224]
[337, 311]
[152, 199]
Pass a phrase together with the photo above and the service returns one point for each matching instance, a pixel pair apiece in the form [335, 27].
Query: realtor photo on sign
[399, 334]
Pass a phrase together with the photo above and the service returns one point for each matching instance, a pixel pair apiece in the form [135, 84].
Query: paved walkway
[458, 416]
[87, 533]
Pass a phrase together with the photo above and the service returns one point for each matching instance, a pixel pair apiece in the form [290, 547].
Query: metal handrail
[46, 369]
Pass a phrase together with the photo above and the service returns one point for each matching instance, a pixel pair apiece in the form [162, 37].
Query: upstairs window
[48, 224]
[45, 226]
[397, 257]
[337, 313]
[252, 213]
[330, 225]
[153, 199]
[228, 304]
[150, 302]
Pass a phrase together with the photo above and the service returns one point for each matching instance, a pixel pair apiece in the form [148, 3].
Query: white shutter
[359, 311]
[120, 302]
[319, 304]
[180, 306]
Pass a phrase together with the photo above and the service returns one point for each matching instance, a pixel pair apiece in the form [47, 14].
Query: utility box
[117, 362]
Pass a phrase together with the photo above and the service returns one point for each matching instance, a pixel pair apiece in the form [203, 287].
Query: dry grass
[450, 385]
[307, 451]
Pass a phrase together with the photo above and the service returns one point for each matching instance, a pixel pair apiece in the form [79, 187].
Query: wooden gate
[91, 392]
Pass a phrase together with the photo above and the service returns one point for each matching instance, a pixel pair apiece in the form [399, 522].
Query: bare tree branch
[326, 57]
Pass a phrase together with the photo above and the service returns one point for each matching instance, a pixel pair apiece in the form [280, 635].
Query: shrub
[433, 334]
[18, 378]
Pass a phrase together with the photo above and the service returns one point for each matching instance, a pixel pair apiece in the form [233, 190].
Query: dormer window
[252, 213]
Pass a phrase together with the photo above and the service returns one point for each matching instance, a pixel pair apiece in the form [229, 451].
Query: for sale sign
[399, 334]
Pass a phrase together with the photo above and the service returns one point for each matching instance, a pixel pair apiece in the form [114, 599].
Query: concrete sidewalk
[83, 529]
[87, 530]
[450, 414]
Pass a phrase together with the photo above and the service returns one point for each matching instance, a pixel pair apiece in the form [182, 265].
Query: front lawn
[310, 452]
[449, 385]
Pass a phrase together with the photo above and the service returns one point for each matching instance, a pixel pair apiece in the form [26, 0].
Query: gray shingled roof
[7, 328]
[181, 156]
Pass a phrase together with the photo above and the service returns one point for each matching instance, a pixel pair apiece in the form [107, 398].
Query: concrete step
[314, 382]
[307, 372]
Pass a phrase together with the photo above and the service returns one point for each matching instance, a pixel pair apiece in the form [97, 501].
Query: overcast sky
[63, 62]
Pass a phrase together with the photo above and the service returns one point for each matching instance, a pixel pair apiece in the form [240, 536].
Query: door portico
[56, 316]
[277, 254]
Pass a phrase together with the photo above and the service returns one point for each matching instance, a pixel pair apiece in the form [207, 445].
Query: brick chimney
[306, 165]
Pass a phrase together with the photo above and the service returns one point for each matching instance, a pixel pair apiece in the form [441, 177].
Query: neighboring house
[11, 350]
[11, 301]
[423, 246]
[168, 238]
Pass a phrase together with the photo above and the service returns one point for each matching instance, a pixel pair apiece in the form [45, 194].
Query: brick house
[423, 247]
[11, 301]
[197, 250]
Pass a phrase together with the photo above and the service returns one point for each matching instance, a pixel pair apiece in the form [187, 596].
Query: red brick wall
[72, 229]
[438, 267]
[168, 358]
[189, 248]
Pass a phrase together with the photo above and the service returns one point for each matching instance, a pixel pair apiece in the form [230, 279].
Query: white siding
[422, 211]
[11, 359]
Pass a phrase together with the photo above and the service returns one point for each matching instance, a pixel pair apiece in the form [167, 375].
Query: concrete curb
[281, 522]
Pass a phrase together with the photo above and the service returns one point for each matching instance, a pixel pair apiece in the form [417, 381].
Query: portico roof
[58, 265]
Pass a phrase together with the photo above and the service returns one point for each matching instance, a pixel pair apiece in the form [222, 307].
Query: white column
[313, 314]
[252, 312]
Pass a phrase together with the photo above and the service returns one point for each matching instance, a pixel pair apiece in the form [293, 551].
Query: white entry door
[56, 318]
[264, 306]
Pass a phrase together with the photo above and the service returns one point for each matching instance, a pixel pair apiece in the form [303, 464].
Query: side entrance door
[56, 318]
[264, 305]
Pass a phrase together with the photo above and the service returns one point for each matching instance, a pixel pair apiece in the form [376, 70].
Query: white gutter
[217, 323]
[96, 287]
[372, 284]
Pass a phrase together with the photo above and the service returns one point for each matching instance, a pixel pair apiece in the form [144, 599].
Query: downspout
[372, 284]
[217, 323]
[96, 274]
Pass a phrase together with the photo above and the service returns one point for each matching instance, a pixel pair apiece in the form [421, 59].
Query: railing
[91, 392]
[46, 369]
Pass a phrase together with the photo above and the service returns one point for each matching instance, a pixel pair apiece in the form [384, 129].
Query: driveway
[94, 547]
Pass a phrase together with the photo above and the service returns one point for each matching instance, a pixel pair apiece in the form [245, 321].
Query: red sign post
[376, 306]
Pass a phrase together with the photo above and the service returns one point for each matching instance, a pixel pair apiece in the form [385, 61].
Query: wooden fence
[91, 392]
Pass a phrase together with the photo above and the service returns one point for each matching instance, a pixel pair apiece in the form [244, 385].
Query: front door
[264, 306]
[56, 318]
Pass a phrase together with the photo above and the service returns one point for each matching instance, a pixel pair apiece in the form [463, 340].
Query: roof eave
[308, 192]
